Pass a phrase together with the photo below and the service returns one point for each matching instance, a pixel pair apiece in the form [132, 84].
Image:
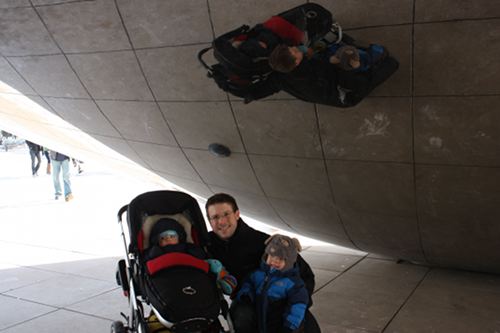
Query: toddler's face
[275, 262]
[169, 240]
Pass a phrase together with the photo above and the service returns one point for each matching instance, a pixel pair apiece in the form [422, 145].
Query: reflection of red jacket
[285, 30]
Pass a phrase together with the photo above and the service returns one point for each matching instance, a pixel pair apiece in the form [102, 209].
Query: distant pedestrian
[77, 164]
[61, 161]
[35, 157]
[47, 156]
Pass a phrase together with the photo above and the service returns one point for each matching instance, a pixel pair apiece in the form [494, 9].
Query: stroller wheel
[118, 327]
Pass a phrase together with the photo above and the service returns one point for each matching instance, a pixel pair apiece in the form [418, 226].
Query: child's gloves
[227, 283]
[319, 46]
[215, 266]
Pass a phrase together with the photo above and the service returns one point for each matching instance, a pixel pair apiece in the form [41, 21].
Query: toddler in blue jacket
[276, 290]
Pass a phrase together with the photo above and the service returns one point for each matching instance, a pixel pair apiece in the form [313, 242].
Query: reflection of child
[276, 289]
[348, 58]
[168, 236]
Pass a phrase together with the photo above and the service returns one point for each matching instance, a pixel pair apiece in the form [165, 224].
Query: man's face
[223, 220]
[296, 53]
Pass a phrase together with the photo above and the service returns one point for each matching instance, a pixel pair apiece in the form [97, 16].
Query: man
[61, 161]
[240, 249]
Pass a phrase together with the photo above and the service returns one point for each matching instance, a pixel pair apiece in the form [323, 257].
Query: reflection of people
[276, 290]
[35, 157]
[61, 162]
[316, 80]
[168, 236]
[345, 57]
[240, 249]
[77, 164]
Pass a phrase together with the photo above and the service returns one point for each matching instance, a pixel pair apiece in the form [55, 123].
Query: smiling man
[240, 248]
[237, 245]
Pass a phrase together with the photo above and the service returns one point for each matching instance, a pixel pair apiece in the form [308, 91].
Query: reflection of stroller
[237, 70]
[182, 293]
[249, 76]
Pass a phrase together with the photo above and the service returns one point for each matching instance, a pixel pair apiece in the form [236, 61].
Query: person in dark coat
[240, 249]
[35, 157]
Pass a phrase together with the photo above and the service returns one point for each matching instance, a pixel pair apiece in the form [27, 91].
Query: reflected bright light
[38, 230]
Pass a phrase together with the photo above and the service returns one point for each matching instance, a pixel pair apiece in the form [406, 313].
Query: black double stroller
[182, 294]
[238, 71]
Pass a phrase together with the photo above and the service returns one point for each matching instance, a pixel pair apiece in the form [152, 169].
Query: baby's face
[169, 240]
[275, 262]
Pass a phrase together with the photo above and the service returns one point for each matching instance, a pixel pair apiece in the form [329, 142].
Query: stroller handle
[241, 30]
[200, 57]
[120, 213]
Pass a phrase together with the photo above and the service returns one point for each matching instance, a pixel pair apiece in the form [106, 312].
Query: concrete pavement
[58, 260]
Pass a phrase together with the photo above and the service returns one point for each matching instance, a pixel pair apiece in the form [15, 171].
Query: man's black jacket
[243, 252]
[33, 146]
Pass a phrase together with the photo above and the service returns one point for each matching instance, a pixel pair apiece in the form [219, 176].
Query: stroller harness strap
[175, 259]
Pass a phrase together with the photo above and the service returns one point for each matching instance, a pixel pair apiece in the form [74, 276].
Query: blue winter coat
[280, 297]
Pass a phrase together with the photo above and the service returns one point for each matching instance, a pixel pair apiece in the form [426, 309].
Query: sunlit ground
[36, 229]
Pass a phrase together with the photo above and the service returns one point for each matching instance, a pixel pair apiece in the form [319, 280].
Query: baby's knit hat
[166, 224]
[283, 247]
[168, 233]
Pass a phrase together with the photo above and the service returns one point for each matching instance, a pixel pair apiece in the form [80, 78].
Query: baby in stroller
[168, 236]
[170, 260]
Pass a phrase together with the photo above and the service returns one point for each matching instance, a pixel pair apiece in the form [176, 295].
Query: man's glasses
[219, 217]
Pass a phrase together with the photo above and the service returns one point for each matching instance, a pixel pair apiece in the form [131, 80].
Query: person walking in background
[77, 164]
[35, 157]
[61, 161]
[47, 156]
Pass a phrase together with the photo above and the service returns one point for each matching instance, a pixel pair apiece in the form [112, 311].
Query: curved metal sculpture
[411, 172]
